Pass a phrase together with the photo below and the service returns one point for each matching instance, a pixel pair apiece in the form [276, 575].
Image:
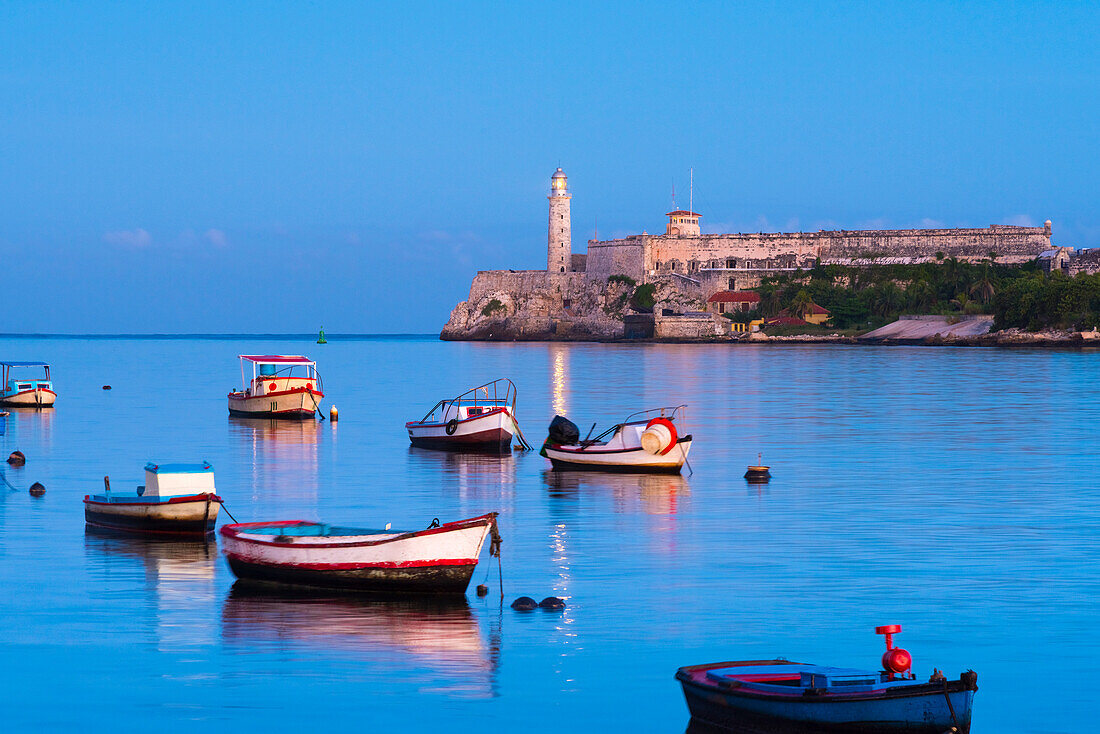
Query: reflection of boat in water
[171, 559]
[281, 432]
[437, 636]
[179, 579]
[659, 494]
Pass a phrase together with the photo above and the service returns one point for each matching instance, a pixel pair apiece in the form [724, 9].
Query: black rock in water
[525, 604]
[17, 458]
[482, 589]
[37, 489]
[552, 602]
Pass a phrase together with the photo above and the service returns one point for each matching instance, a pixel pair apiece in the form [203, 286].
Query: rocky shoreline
[1005, 338]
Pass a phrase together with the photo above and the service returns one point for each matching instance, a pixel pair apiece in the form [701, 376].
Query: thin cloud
[216, 237]
[128, 238]
[1021, 220]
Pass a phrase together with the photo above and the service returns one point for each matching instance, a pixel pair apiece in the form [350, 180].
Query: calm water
[952, 491]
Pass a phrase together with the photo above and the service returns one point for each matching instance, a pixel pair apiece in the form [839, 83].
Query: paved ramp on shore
[922, 327]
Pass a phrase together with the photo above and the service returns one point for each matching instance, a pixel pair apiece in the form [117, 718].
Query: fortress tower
[559, 247]
[682, 223]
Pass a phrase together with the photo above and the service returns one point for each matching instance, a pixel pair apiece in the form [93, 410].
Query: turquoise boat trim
[320, 530]
[203, 468]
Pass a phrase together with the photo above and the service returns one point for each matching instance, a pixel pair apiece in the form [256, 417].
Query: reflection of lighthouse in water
[559, 375]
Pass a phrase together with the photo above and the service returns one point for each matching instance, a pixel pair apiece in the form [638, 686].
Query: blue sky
[263, 167]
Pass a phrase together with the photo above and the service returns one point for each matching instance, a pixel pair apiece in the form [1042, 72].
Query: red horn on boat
[895, 661]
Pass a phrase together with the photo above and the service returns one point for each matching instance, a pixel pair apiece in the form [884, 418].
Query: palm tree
[802, 304]
[983, 287]
[769, 299]
[888, 298]
[961, 301]
[921, 295]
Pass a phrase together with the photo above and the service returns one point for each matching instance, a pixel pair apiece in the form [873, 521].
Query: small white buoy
[333, 414]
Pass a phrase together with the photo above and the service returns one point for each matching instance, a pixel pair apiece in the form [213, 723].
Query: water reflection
[653, 494]
[281, 459]
[559, 377]
[30, 424]
[474, 472]
[178, 575]
[437, 641]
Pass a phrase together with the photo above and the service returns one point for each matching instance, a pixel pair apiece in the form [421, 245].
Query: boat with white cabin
[282, 386]
[19, 389]
[176, 499]
[437, 560]
[481, 419]
[647, 441]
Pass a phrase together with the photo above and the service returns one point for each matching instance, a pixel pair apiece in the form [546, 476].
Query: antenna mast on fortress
[691, 189]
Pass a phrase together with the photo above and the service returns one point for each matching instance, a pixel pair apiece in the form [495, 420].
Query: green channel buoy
[321, 337]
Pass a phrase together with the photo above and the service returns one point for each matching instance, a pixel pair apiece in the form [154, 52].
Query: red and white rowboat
[276, 389]
[439, 559]
[480, 419]
[647, 441]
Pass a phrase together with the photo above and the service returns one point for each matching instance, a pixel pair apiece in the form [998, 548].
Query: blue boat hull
[922, 710]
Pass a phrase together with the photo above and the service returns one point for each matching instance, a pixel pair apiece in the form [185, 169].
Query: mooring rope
[519, 434]
[11, 486]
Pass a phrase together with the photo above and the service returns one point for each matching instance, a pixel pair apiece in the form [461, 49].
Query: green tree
[802, 304]
[922, 296]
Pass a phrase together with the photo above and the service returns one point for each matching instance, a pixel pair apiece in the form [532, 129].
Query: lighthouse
[559, 247]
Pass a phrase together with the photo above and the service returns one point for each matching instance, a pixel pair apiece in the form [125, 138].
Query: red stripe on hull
[357, 566]
[495, 438]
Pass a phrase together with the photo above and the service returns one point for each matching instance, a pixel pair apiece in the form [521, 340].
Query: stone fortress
[578, 297]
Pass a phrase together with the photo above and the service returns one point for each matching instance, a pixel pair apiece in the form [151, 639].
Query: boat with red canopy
[281, 386]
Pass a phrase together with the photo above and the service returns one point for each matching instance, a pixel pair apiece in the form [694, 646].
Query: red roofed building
[786, 321]
[730, 301]
[816, 315]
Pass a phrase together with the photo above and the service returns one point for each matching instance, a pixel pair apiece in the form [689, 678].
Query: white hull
[493, 429]
[434, 560]
[321, 552]
[638, 459]
[294, 404]
[39, 398]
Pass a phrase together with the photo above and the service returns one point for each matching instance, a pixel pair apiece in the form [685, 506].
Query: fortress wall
[1085, 261]
[704, 250]
[519, 282]
[689, 255]
[616, 257]
[1011, 244]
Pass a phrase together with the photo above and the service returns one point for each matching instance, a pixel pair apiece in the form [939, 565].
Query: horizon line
[217, 335]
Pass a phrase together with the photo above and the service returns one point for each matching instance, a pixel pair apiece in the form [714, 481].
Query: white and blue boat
[176, 499]
[800, 698]
[22, 387]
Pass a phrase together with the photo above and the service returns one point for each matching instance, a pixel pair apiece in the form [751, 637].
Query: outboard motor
[563, 431]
